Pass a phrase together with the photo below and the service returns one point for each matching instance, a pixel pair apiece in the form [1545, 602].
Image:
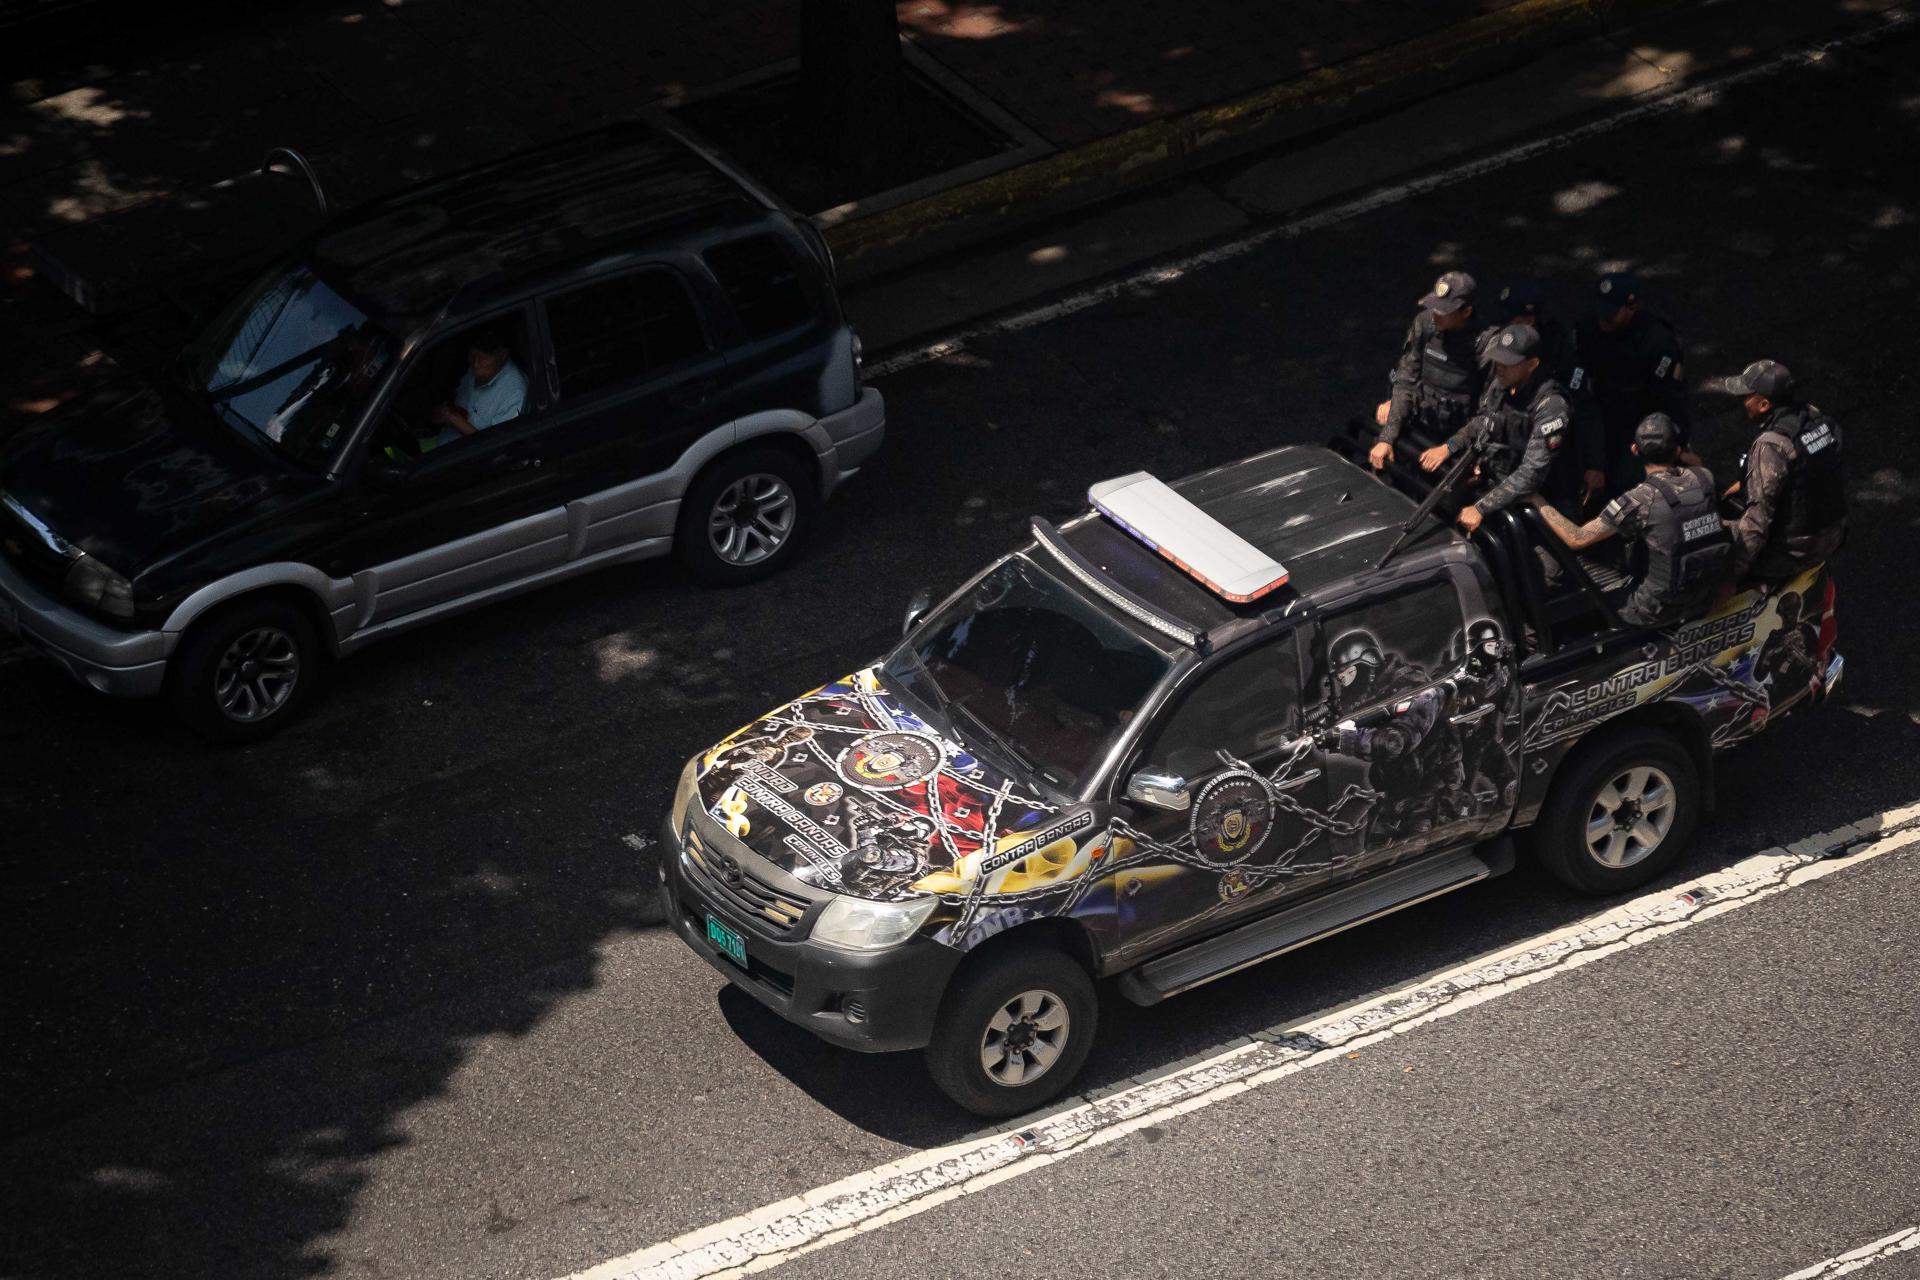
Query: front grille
[729, 881]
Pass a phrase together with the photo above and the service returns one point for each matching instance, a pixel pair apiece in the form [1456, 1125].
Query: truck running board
[1316, 918]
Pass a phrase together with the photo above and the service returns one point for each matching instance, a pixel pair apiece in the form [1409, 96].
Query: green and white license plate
[728, 940]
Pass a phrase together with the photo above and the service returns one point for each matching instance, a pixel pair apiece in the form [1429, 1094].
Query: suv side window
[1392, 645]
[760, 280]
[1246, 708]
[620, 330]
[466, 385]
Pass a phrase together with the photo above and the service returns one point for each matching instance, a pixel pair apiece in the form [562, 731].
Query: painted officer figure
[1412, 753]
[1792, 485]
[1522, 425]
[1438, 376]
[1631, 360]
[1672, 518]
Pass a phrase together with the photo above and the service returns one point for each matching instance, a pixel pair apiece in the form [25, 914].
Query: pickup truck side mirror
[917, 607]
[1160, 791]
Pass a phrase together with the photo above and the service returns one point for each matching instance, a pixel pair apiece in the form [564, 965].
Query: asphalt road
[386, 995]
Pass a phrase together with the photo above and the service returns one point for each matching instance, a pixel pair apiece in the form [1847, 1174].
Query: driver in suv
[492, 390]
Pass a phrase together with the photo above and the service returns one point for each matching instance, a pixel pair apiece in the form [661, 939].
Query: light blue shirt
[501, 400]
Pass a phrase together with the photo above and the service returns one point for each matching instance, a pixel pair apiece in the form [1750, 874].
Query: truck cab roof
[1325, 519]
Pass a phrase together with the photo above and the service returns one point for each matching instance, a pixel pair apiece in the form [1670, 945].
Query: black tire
[736, 477]
[981, 992]
[1561, 838]
[278, 638]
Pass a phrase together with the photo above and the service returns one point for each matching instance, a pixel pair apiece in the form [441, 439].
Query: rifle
[1447, 480]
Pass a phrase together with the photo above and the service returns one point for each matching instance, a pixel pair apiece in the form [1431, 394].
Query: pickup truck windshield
[291, 361]
[1049, 674]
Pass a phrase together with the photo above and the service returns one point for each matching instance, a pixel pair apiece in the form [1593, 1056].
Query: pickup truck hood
[849, 790]
[132, 472]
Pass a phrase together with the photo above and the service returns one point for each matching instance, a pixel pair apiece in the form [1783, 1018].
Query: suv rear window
[616, 330]
[760, 280]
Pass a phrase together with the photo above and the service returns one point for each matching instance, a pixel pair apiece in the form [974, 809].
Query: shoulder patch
[1614, 511]
[1660, 369]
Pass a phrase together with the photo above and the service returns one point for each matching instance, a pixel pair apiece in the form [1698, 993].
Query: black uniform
[1796, 501]
[1524, 430]
[1481, 680]
[1675, 519]
[1435, 382]
[1631, 373]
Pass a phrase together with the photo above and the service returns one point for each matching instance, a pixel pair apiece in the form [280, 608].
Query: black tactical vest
[1814, 498]
[1689, 550]
[1449, 362]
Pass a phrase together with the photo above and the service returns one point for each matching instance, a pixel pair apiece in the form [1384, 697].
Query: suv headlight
[861, 925]
[683, 794]
[93, 584]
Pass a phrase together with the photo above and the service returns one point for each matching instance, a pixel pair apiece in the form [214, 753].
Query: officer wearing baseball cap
[1631, 361]
[1793, 489]
[1521, 425]
[1674, 523]
[1438, 377]
[1579, 471]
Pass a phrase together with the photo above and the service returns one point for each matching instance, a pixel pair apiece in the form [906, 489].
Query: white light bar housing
[1204, 549]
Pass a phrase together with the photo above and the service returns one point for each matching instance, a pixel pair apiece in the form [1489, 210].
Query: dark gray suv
[597, 351]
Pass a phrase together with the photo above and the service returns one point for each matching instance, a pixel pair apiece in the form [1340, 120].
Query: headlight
[683, 794]
[93, 584]
[861, 925]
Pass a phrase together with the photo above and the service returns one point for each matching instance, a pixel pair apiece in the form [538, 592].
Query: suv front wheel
[1621, 814]
[1014, 1031]
[745, 516]
[245, 671]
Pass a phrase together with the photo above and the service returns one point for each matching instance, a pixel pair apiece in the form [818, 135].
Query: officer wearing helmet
[1631, 361]
[1480, 678]
[1671, 516]
[1438, 376]
[1795, 512]
[1522, 425]
[1412, 753]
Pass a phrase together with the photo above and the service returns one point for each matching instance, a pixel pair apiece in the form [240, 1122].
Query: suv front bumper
[128, 664]
[874, 1002]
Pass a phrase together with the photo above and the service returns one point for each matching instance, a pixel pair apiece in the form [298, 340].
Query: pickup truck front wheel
[1621, 815]
[1014, 1031]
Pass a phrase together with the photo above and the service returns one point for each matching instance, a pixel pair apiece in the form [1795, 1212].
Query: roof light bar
[1204, 549]
[1112, 592]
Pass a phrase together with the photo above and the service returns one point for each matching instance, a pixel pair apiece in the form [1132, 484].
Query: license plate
[727, 940]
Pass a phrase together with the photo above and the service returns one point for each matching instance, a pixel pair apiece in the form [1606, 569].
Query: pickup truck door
[1253, 832]
[1423, 717]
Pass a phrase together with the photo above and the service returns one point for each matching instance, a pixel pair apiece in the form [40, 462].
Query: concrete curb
[873, 244]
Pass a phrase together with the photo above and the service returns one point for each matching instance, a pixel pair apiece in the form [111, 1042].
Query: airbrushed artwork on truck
[850, 790]
[1757, 655]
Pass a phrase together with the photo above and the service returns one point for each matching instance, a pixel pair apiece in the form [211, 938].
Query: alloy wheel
[256, 674]
[1630, 817]
[1024, 1038]
[752, 519]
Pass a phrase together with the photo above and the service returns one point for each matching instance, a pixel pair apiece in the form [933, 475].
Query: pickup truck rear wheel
[1014, 1030]
[1621, 815]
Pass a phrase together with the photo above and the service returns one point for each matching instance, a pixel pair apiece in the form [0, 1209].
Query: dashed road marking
[1660, 102]
[866, 1201]
[1862, 1258]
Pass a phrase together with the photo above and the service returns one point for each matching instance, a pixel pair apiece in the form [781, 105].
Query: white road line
[1659, 103]
[918, 1182]
[1862, 1258]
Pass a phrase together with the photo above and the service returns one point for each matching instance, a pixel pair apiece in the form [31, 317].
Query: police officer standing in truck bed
[1522, 425]
[1438, 376]
[1673, 517]
[1631, 360]
[1795, 512]
[1579, 470]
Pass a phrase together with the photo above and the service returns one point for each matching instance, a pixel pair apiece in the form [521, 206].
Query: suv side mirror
[1160, 791]
[917, 607]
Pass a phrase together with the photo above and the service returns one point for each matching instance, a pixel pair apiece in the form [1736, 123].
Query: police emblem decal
[1231, 818]
[1234, 885]
[890, 761]
[823, 793]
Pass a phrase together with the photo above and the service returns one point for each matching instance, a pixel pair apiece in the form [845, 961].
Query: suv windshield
[1048, 674]
[290, 360]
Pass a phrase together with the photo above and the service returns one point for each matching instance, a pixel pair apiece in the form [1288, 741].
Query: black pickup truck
[1195, 727]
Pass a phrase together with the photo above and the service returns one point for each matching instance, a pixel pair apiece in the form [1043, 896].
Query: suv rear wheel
[246, 671]
[745, 516]
[1622, 814]
[1014, 1031]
